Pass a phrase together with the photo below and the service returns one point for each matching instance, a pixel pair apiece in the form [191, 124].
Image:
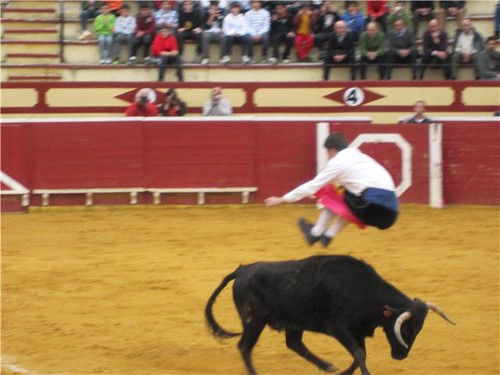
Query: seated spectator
[235, 29]
[489, 63]
[373, 50]
[144, 34]
[354, 18]
[124, 33]
[281, 32]
[166, 49]
[341, 49]
[466, 48]
[212, 33]
[245, 5]
[115, 6]
[435, 46]
[90, 10]
[173, 105]
[402, 48]
[167, 14]
[325, 26]
[304, 23]
[142, 105]
[377, 11]
[259, 25]
[104, 24]
[455, 9]
[419, 116]
[217, 105]
[398, 12]
[421, 10]
[190, 23]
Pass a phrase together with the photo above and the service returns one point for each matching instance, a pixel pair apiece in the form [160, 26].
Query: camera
[143, 99]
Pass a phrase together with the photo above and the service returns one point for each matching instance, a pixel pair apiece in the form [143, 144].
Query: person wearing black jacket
[435, 49]
[340, 50]
[281, 32]
[421, 10]
[325, 26]
[190, 26]
[455, 9]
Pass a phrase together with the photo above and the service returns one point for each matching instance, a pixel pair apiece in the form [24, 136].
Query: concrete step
[32, 58]
[33, 78]
[309, 72]
[11, 46]
[33, 4]
[29, 13]
[46, 34]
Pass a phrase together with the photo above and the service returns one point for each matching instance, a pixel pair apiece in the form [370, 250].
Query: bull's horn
[397, 327]
[436, 309]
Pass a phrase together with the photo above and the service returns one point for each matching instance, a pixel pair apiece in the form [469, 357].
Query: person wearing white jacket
[259, 25]
[235, 29]
[123, 34]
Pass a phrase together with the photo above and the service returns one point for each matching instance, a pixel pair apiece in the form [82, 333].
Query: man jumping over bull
[369, 197]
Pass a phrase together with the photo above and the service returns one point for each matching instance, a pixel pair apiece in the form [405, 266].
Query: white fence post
[436, 165]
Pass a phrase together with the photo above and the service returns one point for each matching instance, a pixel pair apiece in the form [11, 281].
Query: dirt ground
[121, 290]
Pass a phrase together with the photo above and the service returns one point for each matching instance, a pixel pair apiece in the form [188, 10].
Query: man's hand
[274, 201]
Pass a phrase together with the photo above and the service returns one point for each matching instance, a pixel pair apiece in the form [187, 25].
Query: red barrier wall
[273, 155]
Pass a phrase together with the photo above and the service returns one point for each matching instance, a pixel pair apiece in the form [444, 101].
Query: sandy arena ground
[122, 290]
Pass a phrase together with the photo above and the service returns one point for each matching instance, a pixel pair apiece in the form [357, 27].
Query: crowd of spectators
[386, 36]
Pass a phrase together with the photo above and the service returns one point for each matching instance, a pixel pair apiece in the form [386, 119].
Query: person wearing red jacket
[377, 11]
[142, 106]
[165, 48]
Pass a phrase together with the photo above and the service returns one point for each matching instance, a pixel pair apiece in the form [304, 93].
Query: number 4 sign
[354, 96]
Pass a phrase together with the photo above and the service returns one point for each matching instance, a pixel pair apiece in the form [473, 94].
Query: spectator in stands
[281, 32]
[190, 24]
[325, 26]
[435, 47]
[212, 33]
[115, 6]
[354, 18]
[497, 20]
[373, 50]
[104, 25]
[489, 60]
[142, 105]
[235, 29]
[166, 49]
[421, 10]
[398, 12]
[377, 11]
[402, 48]
[167, 14]
[245, 5]
[466, 48]
[304, 23]
[419, 115]
[454, 9]
[172, 105]
[124, 33]
[217, 105]
[90, 10]
[259, 26]
[144, 34]
[341, 50]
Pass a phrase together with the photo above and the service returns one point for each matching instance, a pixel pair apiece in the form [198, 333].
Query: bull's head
[402, 326]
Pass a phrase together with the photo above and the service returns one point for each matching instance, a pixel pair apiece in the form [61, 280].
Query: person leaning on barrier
[172, 105]
[142, 106]
[217, 105]
[419, 115]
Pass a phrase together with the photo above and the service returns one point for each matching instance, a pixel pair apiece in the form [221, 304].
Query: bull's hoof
[329, 368]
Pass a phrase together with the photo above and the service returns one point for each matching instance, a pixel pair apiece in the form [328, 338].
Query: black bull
[339, 296]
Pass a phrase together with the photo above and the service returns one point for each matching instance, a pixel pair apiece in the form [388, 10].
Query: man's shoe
[204, 61]
[306, 227]
[325, 240]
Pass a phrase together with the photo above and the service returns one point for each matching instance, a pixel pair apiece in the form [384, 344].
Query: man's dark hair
[335, 141]
[491, 38]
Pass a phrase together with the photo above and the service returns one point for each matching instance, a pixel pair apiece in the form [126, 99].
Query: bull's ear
[388, 311]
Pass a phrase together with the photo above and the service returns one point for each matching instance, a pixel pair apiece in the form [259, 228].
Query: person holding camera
[142, 106]
[173, 105]
[217, 105]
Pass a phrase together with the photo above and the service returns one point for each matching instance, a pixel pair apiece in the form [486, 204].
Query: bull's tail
[216, 329]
